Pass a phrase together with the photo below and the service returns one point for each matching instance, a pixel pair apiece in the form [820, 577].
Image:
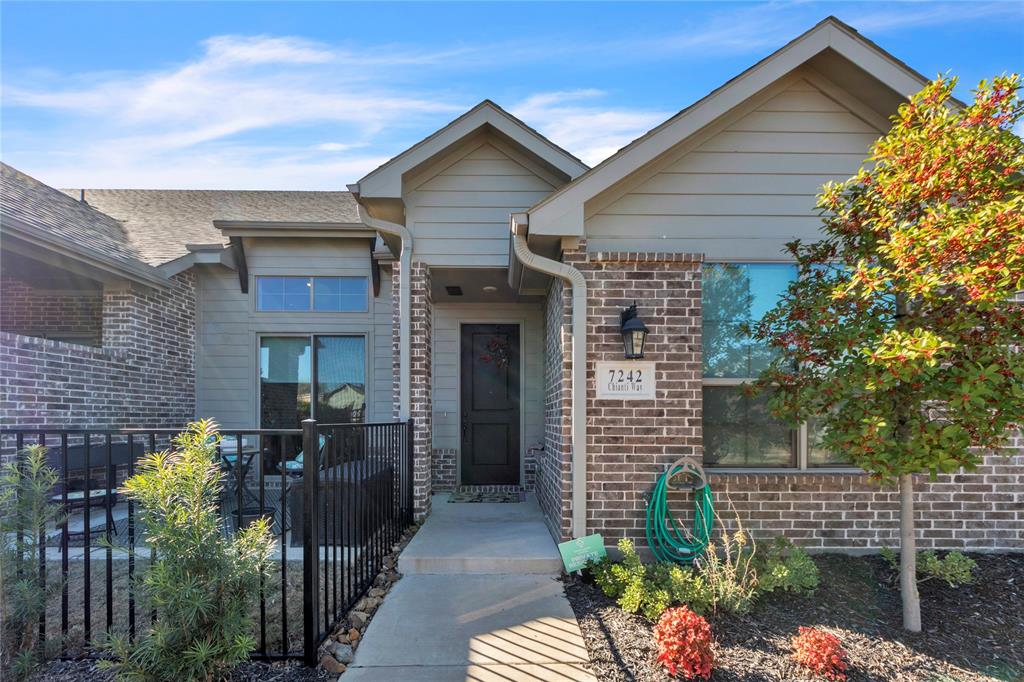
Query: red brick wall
[421, 386]
[28, 311]
[631, 442]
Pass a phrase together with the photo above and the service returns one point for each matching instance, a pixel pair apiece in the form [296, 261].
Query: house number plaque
[625, 380]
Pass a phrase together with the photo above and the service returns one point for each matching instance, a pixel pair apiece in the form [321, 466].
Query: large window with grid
[739, 431]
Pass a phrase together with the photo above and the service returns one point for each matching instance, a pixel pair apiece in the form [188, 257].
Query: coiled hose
[666, 539]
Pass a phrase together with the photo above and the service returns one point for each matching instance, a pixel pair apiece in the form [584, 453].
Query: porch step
[482, 538]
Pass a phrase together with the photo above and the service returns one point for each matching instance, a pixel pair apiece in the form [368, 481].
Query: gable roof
[386, 180]
[562, 212]
[43, 215]
[160, 223]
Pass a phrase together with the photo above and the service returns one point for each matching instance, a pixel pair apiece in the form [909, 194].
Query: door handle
[465, 425]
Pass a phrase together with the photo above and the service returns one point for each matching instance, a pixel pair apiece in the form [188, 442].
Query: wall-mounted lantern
[634, 334]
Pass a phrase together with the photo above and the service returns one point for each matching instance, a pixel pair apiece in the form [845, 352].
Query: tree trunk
[908, 557]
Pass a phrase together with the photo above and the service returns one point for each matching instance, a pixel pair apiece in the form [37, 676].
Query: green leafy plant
[202, 584]
[26, 512]
[955, 568]
[649, 589]
[897, 335]
[788, 567]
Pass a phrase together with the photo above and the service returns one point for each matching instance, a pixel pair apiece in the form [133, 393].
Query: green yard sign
[577, 553]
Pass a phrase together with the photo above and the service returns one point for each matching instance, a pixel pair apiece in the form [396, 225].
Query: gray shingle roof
[160, 223]
[53, 215]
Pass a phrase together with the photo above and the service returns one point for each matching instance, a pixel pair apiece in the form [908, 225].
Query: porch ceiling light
[634, 334]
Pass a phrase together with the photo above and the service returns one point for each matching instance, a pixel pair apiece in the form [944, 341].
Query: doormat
[475, 496]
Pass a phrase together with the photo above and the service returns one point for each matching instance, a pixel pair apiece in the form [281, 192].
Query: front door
[490, 404]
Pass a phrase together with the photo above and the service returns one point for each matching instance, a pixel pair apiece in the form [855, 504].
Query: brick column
[421, 389]
[630, 442]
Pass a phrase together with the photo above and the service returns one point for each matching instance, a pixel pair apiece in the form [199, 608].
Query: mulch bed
[975, 632]
[85, 671]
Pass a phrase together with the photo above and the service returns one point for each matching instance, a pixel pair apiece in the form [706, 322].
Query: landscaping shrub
[684, 643]
[955, 568]
[203, 584]
[25, 509]
[787, 567]
[821, 652]
[649, 589]
[727, 568]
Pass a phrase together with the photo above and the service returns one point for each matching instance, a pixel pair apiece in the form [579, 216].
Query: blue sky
[239, 95]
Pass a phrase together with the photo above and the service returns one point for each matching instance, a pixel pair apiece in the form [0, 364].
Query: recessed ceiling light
[490, 289]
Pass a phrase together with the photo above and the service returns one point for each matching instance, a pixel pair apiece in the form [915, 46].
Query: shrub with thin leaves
[649, 589]
[787, 567]
[26, 512]
[728, 569]
[955, 568]
[203, 584]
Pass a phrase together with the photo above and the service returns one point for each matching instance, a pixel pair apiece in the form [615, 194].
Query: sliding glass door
[295, 369]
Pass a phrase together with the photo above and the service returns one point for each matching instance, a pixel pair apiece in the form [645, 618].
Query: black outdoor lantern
[634, 334]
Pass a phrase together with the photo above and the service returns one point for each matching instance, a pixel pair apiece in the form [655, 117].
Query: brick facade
[421, 386]
[631, 442]
[444, 469]
[142, 376]
[553, 477]
[28, 311]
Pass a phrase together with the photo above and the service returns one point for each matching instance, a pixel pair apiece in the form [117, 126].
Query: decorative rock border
[339, 649]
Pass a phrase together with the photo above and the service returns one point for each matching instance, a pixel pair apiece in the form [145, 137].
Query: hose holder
[691, 469]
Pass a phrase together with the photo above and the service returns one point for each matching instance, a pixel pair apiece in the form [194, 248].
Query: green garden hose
[666, 539]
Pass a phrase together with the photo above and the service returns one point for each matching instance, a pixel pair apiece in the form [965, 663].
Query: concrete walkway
[480, 600]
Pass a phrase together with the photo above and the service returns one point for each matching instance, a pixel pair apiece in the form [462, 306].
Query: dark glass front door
[490, 404]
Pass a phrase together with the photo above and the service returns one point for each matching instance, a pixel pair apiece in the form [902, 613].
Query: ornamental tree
[901, 334]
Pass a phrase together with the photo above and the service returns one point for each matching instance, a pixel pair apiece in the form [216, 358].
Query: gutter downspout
[404, 302]
[578, 410]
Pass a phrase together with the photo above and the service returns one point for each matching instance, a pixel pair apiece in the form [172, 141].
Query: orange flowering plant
[821, 652]
[901, 335]
[684, 643]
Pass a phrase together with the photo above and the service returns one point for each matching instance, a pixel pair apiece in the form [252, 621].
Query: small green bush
[786, 567]
[25, 509]
[203, 585]
[955, 568]
[649, 589]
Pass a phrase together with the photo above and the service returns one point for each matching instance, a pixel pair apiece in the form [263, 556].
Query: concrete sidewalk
[480, 600]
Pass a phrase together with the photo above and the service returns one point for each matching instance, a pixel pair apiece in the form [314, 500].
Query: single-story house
[475, 284]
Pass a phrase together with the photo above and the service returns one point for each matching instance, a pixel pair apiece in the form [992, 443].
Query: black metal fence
[331, 536]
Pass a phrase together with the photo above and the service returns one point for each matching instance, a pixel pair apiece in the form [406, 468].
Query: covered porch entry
[487, 373]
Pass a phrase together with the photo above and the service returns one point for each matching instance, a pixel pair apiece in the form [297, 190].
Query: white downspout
[404, 303]
[578, 409]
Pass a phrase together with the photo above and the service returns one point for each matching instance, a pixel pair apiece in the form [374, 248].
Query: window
[294, 369]
[321, 294]
[739, 431]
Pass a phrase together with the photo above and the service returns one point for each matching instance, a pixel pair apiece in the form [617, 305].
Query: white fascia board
[386, 181]
[561, 213]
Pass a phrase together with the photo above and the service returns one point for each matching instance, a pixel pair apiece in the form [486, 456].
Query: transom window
[319, 294]
[739, 431]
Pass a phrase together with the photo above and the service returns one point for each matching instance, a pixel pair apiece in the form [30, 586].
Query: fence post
[410, 471]
[310, 540]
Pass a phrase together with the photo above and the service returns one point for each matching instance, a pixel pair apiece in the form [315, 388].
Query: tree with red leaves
[901, 334]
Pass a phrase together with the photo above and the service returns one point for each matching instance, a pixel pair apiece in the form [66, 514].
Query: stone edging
[338, 650]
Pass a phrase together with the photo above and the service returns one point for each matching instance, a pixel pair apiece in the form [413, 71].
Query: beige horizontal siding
[745, 191]
[460, 215]
[227, 363]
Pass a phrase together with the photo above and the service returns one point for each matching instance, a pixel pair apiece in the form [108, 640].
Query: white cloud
[577, 121]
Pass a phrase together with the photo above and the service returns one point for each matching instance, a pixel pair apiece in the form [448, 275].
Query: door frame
[521, 323]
